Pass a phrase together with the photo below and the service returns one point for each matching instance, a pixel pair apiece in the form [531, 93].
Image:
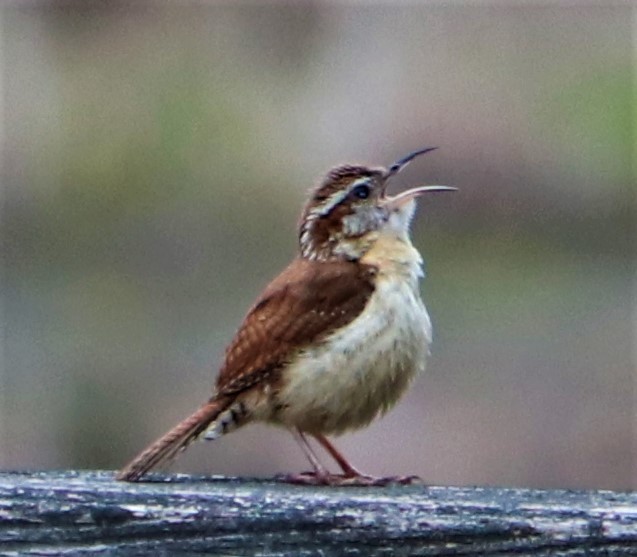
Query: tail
[173, 442]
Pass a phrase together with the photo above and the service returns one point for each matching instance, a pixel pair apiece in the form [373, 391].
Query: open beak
[402, 163]
[396, 201]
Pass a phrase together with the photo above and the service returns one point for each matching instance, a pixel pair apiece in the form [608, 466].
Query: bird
[335, 339]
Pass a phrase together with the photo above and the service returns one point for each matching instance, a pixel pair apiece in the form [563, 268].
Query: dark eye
[361, 191]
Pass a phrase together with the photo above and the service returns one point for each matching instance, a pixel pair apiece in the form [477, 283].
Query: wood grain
[87, 513]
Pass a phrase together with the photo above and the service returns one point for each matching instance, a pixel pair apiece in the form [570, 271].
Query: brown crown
[321, 221]
[337, 179]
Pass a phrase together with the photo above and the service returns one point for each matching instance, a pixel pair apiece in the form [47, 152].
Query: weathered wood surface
[87, 513]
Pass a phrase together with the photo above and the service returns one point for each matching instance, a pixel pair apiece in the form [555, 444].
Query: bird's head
[350, 208]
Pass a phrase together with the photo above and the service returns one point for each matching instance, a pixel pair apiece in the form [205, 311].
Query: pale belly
[360, 371]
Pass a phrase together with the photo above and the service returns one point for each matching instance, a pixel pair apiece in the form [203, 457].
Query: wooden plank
[87, 513]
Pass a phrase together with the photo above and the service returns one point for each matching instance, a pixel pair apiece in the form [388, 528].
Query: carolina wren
[335, 339]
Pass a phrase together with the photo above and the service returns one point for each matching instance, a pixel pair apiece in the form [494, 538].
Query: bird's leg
[320, 475]
[351, 476]
[348, 470]
[319, 469]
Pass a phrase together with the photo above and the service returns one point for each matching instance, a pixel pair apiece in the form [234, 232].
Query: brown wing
[306, 302]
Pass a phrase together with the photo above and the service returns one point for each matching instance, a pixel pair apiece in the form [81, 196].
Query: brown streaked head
[349, 204]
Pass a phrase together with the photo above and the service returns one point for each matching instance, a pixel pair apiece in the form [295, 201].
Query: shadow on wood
[87, 513]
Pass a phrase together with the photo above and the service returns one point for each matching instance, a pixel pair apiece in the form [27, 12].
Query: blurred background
[155, 161]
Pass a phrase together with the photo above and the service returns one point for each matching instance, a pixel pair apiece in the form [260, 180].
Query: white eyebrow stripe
[337, 197]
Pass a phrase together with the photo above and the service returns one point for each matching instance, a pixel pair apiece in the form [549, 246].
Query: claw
[305, 478]
[365, 480]
[360, 480]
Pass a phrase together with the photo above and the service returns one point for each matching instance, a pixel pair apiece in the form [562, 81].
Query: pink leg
[321, 476]
[351, 476]
[319, 469]
[344, 464]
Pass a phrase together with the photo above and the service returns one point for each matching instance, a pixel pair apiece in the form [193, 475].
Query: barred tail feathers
[173, 442]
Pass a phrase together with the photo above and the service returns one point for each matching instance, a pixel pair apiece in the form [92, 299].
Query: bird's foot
[358, 480]
[366, 480]
[305, 478]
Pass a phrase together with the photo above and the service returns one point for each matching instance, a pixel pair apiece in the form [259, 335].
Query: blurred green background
[156, 158]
